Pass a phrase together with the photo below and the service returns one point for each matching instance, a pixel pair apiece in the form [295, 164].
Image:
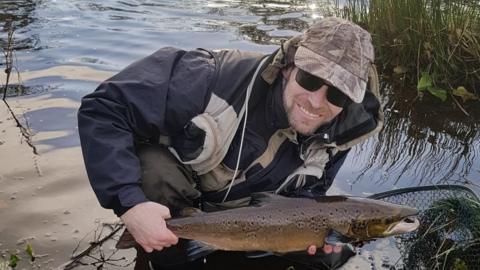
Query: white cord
[239, 151]
[247, 99]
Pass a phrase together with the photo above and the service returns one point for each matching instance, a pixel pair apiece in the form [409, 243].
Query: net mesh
[449, 234]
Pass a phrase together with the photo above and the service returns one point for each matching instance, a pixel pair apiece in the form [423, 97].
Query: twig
[460, 106]
[73, 261]
[8, 51]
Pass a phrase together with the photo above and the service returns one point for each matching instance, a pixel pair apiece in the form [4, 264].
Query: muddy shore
[45, 198]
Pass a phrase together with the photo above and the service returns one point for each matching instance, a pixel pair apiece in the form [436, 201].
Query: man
[233, 123]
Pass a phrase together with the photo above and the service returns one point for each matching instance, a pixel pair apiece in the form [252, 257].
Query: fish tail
[193, 249]
[126, 241]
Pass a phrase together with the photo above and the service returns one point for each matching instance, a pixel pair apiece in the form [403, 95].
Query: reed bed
[434, 42]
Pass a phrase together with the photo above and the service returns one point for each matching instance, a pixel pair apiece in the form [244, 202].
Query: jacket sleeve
[318, 186]
[156, 95]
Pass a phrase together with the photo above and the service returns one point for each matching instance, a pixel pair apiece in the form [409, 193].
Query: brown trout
[280, 224]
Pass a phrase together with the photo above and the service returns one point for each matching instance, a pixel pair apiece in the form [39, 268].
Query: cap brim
[350, 84]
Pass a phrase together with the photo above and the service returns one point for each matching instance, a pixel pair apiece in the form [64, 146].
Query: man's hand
[146, 222]
[327, 249]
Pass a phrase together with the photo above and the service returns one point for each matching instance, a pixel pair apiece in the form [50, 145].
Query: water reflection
[423, 143]
[18, 15]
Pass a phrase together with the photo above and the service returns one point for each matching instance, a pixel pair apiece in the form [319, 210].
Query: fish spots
[252, 235]
[300, 224]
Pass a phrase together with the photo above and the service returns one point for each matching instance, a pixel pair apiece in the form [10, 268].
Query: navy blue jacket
[160, 94]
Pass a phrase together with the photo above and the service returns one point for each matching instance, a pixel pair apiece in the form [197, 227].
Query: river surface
[420, 144]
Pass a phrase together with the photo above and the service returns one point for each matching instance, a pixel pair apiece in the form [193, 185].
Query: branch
[75, 260]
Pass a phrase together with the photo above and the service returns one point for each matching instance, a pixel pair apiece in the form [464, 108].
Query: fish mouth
[407, 224]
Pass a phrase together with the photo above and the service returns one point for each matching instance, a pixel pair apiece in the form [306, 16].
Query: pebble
[54, 239]
[48, 234]
[18, 178]
[65, 224]
[76, 231]
[13, 197]
[45, 221]
[66, 212]
[48, 261]
[25, 240]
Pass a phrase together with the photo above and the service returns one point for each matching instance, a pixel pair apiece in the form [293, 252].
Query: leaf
[30, 252]
[464, 94]
[425, 82]
[438, 92]
[13, 260]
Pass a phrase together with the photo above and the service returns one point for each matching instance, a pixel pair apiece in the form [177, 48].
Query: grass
[416, 38]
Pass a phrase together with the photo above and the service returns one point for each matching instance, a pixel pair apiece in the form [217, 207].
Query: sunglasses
[312, 83]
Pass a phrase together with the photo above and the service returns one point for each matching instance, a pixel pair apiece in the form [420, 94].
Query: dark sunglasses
[312, 83]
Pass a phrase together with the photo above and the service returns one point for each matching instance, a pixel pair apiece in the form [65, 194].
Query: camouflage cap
[338, 51]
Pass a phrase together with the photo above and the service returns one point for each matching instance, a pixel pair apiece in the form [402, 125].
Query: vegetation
[11, 261]
[449, 236]
[434, 44]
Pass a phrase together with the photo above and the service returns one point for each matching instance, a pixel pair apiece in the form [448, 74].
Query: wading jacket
[195, 102]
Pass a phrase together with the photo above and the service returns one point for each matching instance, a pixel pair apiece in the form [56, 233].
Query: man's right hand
[146, 222]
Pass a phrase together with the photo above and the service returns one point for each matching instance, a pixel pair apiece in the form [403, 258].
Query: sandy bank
[45, 199]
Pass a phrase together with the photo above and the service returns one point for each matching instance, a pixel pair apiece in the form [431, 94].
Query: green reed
[436, 38]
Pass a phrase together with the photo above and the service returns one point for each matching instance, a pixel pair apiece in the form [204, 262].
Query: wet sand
[45, 199]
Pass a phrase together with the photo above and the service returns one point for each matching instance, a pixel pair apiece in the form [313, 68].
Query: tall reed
[437, 37]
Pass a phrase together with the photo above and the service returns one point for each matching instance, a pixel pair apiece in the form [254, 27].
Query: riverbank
[45, 199]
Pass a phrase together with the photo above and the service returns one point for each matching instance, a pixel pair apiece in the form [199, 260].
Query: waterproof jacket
[194, 102]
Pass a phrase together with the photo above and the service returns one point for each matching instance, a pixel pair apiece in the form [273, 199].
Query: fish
[278, 224]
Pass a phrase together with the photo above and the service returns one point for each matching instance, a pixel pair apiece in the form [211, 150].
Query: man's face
[306, 111]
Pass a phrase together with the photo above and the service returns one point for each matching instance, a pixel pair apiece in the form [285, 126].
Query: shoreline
[45, 199]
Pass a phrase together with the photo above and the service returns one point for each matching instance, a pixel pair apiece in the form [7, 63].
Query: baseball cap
[338, 51]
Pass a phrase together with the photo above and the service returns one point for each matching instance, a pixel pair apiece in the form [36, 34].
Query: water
[420, 144]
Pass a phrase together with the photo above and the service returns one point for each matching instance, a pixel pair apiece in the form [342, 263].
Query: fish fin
[321, 260]
[263, 198]
[126, 241]
[190, 212]
[258, 254]
[197, 249]
[335, 238]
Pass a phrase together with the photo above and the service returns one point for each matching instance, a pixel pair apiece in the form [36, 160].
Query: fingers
[327, 249]
[146, 223]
